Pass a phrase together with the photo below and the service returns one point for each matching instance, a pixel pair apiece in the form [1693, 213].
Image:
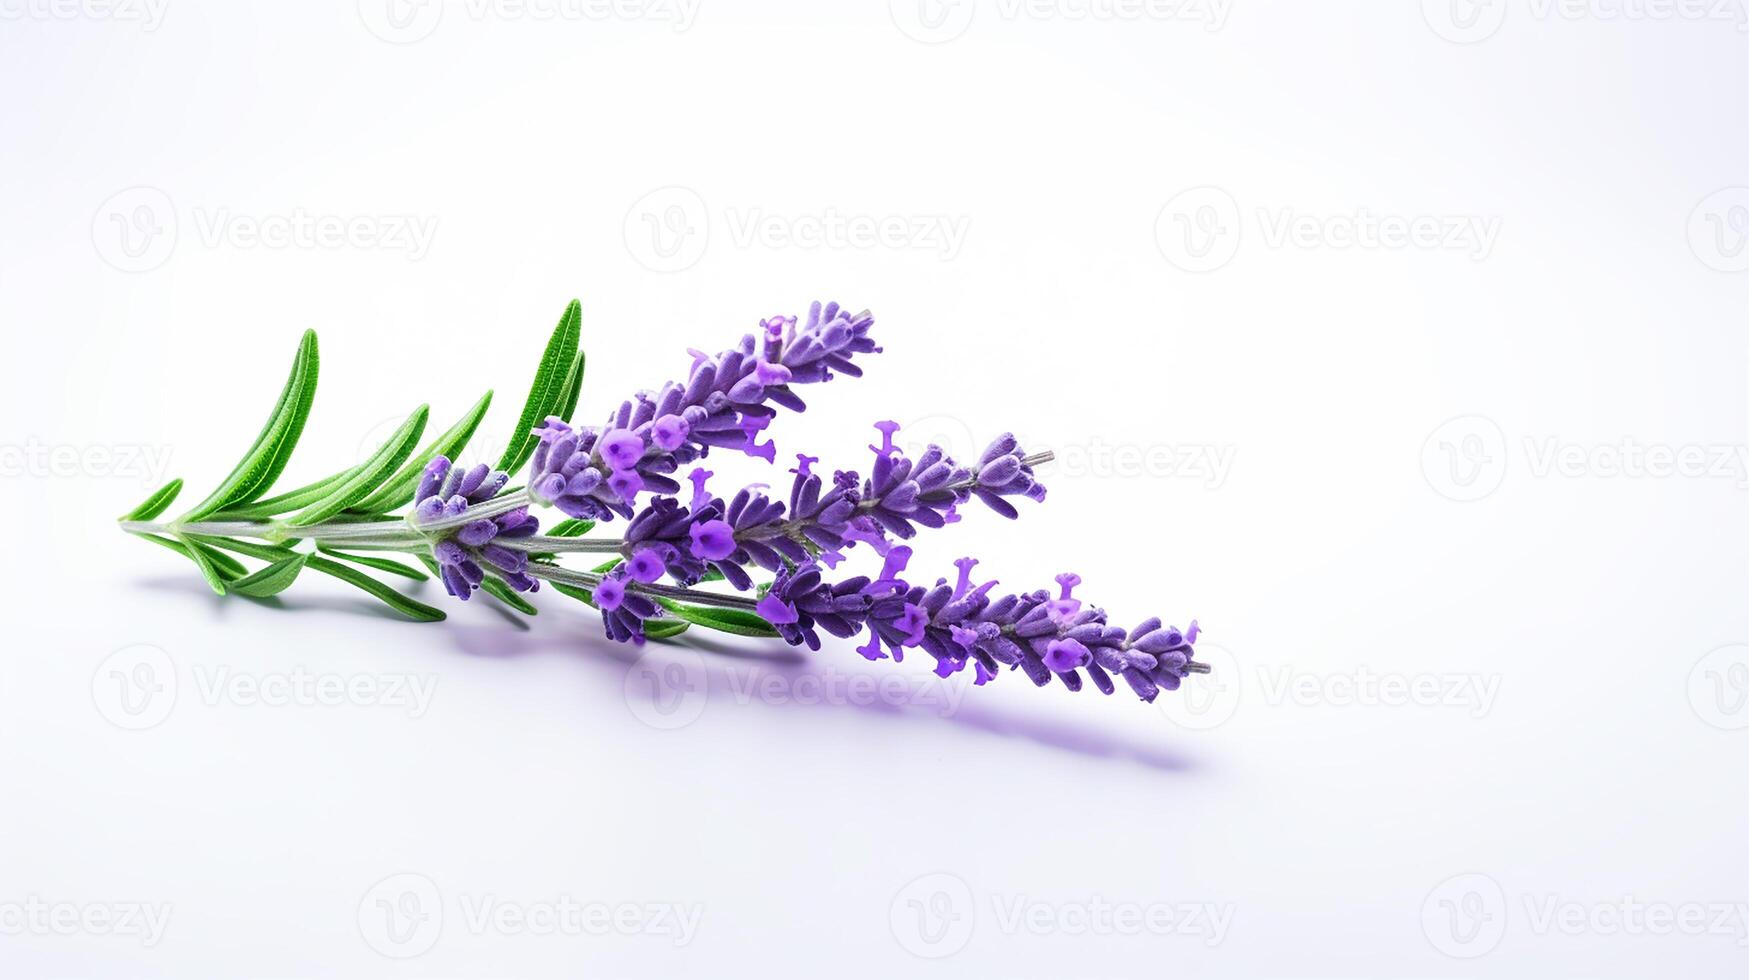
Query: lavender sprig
[475, 533]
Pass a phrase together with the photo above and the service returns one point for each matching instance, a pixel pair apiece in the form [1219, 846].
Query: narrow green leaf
[505, 594]
[373, 561]
[737, 621]
[411, 608]
[205, 564]
[567, 401]
[271, 580]
[575, 592]
[369, 474]
[662, 629]
[227, 566]
[266, 459]
[291, 500]
[156, 504]
[397, 491]
[573, 527]
[406, 606]
[545, 394]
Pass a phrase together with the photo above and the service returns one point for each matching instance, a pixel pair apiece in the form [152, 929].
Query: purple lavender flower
[446, 493]
[726, 402]
[961, 624]
[623, 611]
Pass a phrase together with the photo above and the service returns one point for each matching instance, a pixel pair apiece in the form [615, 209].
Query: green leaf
[389, 565]
[271, 580]
[662, 629]
[288, 501]
[608, 565]
[571, 528]
[266, 459]
[567, 405]
[547, 392]
[575, 592]
[156, 504]
[227, 566]
[397, 492]
[505, 594]
[205, 564]
[369, 474]
[411, 608]
[737, 621]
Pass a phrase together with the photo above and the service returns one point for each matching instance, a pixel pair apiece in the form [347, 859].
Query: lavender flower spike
[961, 624]
[726, 402]
[447, 492]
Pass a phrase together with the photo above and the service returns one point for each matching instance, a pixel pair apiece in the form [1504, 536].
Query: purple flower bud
[713, 540]
[609, 593]
[669, 432]
[645, 566]
[621, 449]
[1063, 656]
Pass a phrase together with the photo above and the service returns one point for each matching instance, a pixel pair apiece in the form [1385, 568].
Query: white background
[1462, 514]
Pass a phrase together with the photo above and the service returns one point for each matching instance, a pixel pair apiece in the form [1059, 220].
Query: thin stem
[545, 544]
